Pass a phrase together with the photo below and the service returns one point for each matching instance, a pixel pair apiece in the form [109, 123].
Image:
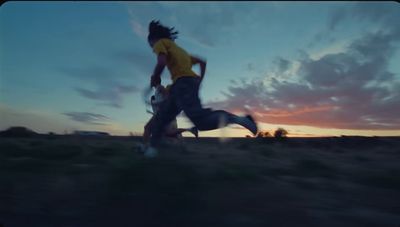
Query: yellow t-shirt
[179, 62]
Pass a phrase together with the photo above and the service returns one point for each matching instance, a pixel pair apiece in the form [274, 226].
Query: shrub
[263, 134]
[280, 133]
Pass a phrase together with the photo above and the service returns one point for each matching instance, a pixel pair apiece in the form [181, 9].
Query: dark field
[65, 181]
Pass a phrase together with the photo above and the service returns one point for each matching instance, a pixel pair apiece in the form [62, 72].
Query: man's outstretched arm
[158, 69]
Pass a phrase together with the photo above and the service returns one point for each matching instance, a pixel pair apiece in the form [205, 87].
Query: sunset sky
[313, 68]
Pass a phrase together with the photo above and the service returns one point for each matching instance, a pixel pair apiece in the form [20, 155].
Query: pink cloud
[349, 90]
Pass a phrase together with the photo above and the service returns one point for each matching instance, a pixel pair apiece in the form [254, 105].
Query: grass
[235, 172]
[362, 158]
[244, 145]
[57, 151]
[277, 172]
[388, 180]
[13, 149]
[190, 185]
[26, 165]
[110, 149]
[160, 174]
[39, 149]
[267, 152]
[313, 168]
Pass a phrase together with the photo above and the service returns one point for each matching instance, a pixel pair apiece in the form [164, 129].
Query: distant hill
[18, 131]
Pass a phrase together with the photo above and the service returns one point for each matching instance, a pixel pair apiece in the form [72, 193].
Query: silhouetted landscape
[66, 180]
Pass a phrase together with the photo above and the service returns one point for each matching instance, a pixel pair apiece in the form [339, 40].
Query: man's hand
[155, 80]
[202, 63]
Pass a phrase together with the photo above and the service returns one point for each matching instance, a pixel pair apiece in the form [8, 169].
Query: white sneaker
[150, 152]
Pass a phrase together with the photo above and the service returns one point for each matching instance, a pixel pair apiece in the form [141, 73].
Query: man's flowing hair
[158, 31]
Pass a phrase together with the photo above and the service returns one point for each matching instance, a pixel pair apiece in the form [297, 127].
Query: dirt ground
[69, 181]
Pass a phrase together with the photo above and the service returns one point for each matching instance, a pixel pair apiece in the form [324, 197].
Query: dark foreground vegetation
[50, 180]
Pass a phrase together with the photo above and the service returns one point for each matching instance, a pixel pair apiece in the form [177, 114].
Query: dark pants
[184, 95]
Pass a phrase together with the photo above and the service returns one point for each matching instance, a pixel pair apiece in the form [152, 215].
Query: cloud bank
[109, 89]
[88, 118]
[353, 89]
[206, 20]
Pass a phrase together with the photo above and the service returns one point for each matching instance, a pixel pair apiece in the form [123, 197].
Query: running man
[184, 92]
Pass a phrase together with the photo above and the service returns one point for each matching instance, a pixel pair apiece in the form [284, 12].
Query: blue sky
[315, 68]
